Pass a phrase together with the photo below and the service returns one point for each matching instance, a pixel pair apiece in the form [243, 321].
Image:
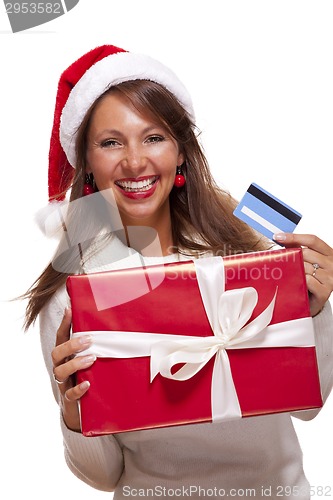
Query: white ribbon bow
[227, 312]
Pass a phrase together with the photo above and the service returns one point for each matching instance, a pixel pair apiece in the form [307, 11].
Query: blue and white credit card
[266, 213]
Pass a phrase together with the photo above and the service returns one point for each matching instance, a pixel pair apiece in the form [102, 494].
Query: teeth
[144, 185]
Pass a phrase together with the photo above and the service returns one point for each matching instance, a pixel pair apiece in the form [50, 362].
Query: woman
[126, 124]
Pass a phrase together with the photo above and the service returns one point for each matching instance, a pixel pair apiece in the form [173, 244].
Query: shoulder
[57, 304]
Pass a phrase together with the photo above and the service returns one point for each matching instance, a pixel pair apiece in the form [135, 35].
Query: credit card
[266, 213]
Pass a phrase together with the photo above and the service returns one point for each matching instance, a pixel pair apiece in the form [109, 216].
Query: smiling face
[135, 156]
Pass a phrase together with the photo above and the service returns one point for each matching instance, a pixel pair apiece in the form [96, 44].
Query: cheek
[167, 159]
[99, 163]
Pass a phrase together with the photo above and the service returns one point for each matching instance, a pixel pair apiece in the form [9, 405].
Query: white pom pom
[50, 218]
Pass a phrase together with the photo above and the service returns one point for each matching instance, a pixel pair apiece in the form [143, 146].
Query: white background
[260, 74]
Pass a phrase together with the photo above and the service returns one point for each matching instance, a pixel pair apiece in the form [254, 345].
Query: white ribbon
[227, 312]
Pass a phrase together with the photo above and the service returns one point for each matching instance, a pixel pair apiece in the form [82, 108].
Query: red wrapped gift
[196, 341]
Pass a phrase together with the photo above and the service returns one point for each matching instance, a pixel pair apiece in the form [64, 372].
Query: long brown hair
[201, 212]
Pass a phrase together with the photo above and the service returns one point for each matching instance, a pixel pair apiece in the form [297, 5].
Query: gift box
[196, 341]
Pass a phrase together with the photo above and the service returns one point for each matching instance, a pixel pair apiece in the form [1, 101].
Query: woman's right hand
[65, 365]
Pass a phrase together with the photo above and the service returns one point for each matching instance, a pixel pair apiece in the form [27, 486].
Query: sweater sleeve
[98, 461]
[323, 326]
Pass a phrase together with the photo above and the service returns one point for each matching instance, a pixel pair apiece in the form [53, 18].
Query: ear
[87, 169]
[181, 159]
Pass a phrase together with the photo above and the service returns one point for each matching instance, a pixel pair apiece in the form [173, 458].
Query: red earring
[89, 185]
[179, 179]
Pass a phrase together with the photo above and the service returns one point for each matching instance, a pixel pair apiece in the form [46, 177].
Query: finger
[307, 240]
[313, 257]
[64, 371]
[75, 393]
[320, 293]
[323, 273]
[319, 274]
[68, 349]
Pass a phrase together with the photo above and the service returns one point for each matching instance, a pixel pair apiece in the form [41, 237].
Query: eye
[109, 143]
[155, 138]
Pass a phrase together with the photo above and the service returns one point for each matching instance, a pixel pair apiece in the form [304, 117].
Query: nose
[134, 159]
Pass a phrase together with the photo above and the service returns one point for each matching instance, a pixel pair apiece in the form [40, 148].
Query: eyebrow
[115, 132]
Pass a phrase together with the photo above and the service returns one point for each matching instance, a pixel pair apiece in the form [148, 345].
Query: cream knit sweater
[251, 457]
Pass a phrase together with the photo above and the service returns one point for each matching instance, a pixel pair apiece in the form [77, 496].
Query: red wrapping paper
[267, 380]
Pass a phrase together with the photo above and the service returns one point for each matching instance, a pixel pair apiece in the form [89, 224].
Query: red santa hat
[80, 85]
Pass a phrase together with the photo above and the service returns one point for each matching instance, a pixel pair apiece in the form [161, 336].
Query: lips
[140, 185]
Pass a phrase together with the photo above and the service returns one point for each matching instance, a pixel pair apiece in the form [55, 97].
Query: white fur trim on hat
[50, 218]
[111, 70]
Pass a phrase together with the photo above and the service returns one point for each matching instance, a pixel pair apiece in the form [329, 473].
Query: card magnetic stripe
[274, 203]
[262, 217]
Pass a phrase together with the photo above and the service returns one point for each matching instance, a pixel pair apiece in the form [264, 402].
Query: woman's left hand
[318, 264]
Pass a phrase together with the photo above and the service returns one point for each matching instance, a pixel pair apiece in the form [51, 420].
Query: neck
[149, 241]
[152, 238]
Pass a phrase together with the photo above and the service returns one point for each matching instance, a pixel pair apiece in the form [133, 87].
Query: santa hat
[80, 85]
